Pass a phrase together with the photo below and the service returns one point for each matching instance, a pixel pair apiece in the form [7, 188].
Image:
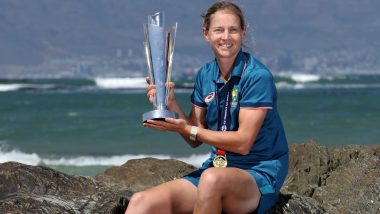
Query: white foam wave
[120, 83]
[286, 85]
[116, 160]
[303, 78]
[15, 155]
[20, 86]
[13, 86]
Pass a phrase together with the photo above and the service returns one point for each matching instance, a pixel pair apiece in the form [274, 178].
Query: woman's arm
[240, 141]
[196, 118]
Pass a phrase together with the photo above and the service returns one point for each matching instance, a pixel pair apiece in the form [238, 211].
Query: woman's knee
[148, 201]
[138, 199]
[143, 202]
[211, 178]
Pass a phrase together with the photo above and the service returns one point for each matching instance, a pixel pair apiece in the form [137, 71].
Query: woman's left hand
[169, 124]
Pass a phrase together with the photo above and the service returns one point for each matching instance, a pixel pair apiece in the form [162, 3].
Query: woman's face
[224, 34]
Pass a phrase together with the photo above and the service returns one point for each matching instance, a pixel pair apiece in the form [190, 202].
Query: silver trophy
[159, 48]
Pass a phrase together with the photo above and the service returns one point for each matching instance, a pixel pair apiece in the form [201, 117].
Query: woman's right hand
[151, 90]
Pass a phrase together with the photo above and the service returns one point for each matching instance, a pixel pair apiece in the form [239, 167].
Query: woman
[234, 110]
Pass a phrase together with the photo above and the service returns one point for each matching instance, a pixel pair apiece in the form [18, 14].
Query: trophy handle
[170, 43]
[148, 53]
[149, 60]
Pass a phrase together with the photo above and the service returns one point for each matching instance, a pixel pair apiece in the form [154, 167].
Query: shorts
[269, 185]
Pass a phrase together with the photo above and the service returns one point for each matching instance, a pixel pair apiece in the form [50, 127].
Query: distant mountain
[76, 35]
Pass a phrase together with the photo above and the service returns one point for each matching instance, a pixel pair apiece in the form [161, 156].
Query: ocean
[83, 126]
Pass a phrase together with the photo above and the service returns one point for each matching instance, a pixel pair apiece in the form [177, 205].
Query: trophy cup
[159, 49]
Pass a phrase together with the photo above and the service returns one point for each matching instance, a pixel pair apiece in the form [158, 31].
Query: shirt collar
[236, 70]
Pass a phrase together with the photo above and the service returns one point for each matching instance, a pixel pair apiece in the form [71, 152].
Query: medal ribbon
[226, 111]
[224, 121]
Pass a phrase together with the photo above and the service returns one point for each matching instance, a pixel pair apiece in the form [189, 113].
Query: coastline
[320, 180]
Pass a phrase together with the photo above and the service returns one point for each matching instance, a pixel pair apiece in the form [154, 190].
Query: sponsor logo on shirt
[235, 95]
[210, 97]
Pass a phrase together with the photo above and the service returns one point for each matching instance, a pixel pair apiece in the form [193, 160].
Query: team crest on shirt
[210, 97]
[235, 96]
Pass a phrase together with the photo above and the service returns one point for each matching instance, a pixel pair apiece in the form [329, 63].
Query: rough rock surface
[38, 189]
[147, 172]
[320, 180]
[342, 180]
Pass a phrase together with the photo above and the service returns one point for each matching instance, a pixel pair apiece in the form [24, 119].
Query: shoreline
[320, 180]
[93, 170]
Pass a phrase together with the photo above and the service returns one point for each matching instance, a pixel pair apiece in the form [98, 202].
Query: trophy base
[159, 115]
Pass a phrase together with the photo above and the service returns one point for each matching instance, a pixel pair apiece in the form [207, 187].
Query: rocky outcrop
[38, 189]
[320, 180]
[342, 180]
[147, 172]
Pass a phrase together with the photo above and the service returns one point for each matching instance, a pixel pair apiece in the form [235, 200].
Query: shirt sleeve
[196, 96]
[258, 90]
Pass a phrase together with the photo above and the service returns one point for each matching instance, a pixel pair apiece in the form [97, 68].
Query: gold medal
[220, 161]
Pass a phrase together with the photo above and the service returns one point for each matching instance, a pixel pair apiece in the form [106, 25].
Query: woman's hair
[222, 5]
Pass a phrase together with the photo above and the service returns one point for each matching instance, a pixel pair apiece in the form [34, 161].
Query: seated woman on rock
[234, 109]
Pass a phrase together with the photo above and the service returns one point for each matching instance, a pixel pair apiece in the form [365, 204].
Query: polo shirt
[251, 85]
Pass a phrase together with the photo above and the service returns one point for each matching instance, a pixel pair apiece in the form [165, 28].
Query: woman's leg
[232, 190]
[177, 196]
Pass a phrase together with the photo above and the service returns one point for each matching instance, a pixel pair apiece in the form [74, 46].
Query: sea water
[83, 126]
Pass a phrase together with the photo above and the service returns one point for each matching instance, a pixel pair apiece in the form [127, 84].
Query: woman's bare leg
[177, 196]
[229, 189]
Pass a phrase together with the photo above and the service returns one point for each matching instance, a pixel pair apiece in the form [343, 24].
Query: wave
[296, 86]
[82, 161]
[302, 77]
[287, 80]
[287, 85]
[305, 77]
[16, 155]
[120, 83]
[22, 86]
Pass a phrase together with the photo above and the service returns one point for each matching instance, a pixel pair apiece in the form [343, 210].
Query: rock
[343, 180]
[292, 203]
[307, 164]
[140, 174]
[39, 189]
[320, 180]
